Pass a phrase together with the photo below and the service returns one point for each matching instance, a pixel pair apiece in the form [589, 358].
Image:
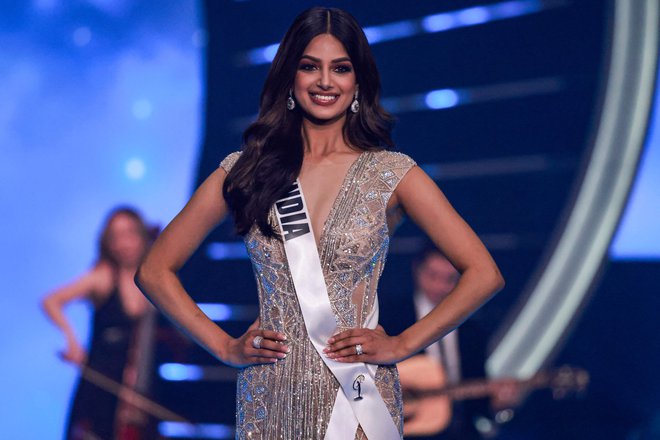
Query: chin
[324, 120]
[324, 116]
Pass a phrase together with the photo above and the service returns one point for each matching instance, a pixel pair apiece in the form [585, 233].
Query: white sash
[358, 400]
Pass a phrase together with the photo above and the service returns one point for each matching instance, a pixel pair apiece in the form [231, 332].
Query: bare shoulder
[102, 281]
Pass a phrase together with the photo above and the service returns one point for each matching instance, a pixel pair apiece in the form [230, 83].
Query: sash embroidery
[293, 219]
[358, 400]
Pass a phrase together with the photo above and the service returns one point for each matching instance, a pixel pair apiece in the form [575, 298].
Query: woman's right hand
[74, 354]
[241, 351]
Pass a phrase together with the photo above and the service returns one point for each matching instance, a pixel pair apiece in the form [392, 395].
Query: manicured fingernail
[331, 340]
[326, 349]
[281, 355]
[288, 349]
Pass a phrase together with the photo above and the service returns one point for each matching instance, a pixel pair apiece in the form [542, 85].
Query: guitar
[126, 393]
[427, 399]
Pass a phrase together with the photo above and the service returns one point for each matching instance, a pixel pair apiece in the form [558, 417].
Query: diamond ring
[358, 349]
[256, 342]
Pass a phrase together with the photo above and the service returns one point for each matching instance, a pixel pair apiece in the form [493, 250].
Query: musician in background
[121, 332]
[459, 356]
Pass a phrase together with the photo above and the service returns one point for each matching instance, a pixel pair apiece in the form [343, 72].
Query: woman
[120, 330]
[315, 364]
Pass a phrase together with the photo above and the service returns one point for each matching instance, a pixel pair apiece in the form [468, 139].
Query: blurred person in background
[121, 332]
[458, 356]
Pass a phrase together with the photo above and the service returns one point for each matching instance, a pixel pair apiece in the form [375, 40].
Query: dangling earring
[355, 105]
[290, 103]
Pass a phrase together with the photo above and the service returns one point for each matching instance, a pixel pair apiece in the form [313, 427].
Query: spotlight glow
[135, 169]
[198, 430]
[227, 251]
[391, 31]
[200, 38]
[142, 109]
[444, 21]
[82, 36]
[473, 16]
[180, 372]
[217, 311]
[438, 99]
[438, 22]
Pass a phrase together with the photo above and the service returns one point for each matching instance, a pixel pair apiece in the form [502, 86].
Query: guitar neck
[476, 389]
[562, 381]
[468, 390]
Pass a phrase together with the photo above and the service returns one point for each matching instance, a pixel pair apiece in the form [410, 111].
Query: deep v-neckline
[335, 203]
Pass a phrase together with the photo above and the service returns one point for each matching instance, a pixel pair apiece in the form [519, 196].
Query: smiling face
[325, 84]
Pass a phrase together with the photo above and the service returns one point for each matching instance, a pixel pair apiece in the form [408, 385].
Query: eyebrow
[318, 60]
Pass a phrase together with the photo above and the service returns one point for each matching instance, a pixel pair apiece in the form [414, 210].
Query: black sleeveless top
[112, 331]
[93, 410]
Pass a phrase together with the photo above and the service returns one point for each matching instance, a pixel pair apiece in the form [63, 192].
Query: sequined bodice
[352, 248]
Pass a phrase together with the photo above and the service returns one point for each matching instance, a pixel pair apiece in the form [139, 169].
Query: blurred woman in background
[121, 331]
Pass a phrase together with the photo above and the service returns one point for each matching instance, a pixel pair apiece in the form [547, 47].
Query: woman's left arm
[480, 278]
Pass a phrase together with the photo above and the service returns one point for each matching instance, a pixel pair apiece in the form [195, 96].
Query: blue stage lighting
[142, 109]
[438, 22]
[82, 36]
[217, 312]
[443, 98]
[262, 55]
[198, 430]
[472, 16]
[179, 372]
[515, 8]
[432, 23]
[391, 31]
[227, 251]
[135, 169]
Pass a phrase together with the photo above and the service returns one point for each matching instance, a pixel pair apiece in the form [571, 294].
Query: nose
[324, 79]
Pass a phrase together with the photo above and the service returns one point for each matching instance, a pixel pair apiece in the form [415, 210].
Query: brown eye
[306, 67]
[343, 68]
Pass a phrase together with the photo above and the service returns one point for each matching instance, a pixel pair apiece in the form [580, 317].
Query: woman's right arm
[158, 280]
[53, 305]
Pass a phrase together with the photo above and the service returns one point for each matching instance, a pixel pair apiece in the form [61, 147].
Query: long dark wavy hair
[273, 145]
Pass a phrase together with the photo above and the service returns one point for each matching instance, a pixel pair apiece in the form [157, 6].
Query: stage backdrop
[100, 104]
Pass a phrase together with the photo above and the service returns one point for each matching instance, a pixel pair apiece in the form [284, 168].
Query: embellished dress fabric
[294, 397]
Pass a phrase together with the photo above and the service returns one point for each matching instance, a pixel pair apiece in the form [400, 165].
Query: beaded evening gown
[293, 398]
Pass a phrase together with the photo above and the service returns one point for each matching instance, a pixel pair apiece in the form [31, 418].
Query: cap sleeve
[393, 167]
[228, 162]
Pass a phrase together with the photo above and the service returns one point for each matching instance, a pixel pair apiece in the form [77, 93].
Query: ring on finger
[256, 342]
[358, 349]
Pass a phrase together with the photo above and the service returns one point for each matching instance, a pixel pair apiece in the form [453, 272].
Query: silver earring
[355, 105]
[290, 103]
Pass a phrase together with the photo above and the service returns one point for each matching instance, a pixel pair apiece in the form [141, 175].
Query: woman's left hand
[375, 345]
